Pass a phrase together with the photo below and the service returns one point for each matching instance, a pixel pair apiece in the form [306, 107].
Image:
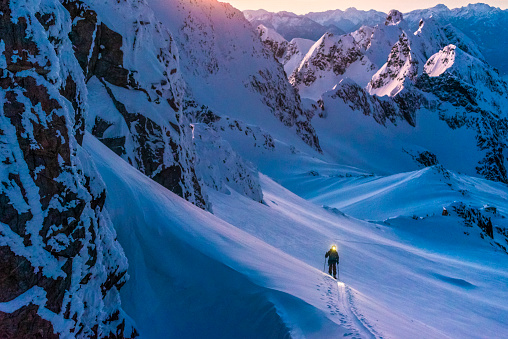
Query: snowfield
[254, 270]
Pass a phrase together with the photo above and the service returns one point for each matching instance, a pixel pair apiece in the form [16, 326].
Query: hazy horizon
[306, 6]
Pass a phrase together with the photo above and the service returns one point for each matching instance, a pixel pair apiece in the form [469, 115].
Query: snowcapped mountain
[135, 93]
[482, 23]
[160, 174]
[414, 75]
[228, 69]
[290, 25]
[289, 54]
[357, 55]
[273, 40]
[349, 20]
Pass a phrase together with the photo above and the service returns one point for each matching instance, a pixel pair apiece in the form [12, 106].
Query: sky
[305, 6]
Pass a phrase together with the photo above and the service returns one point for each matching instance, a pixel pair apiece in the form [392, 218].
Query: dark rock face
[96, 47]
[286, 106]
[146, 142]
[403, 106]
[474, 217]
[393, 18]
[277, 47]
[28, 324]
[425, 158]
[334, 54]
[491, 127]
[61, 265]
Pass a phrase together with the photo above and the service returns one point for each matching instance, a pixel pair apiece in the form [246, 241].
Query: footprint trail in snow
[339, 300]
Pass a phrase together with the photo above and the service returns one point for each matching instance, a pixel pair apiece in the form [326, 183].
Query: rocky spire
[394, 18]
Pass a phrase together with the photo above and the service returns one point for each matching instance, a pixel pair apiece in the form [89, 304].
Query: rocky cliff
[135, 89]
[61, 265]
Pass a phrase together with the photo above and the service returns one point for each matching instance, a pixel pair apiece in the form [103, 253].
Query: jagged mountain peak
[349, 20]
[266, 33]
[441, 61]
[433, 34]
[394, 18]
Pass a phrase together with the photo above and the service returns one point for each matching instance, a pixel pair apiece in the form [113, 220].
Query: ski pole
[324, 266]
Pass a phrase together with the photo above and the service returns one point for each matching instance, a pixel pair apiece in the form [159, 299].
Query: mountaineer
[333, 260]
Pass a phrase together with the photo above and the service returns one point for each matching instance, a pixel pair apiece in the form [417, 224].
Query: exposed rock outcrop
[225, 63]
[135, 90]
[436, 68]
[61, 264]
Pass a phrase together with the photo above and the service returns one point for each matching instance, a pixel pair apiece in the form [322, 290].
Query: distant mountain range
[391, 72]
[482, 23]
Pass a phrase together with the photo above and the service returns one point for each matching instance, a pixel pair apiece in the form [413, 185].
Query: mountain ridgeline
[392, 73]
[176, 107]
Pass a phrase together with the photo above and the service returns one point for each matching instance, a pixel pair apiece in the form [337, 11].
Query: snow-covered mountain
[390, 73]
[147, 148]
[290, 25]
[228, 69]
[313, 25]
[289, 54]
[349, 20]
[482, 23]
[408, 272]
[135, 93]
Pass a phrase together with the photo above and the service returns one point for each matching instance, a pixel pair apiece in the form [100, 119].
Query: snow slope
[253, 270]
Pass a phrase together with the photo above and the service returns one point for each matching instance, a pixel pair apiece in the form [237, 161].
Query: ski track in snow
[339, 300]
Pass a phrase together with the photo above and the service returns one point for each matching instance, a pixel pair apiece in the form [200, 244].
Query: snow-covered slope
[254, 270]
[135, 90]
[331, 59]
[290, 25]
[172, 121]
[296, 50]
[436, 68]
[273, 40]
[289, 54]
[357, 55]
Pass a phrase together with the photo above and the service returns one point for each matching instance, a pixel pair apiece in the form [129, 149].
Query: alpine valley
[179, 168]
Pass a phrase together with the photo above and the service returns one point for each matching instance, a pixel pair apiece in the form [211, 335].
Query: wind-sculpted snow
[61, 264]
